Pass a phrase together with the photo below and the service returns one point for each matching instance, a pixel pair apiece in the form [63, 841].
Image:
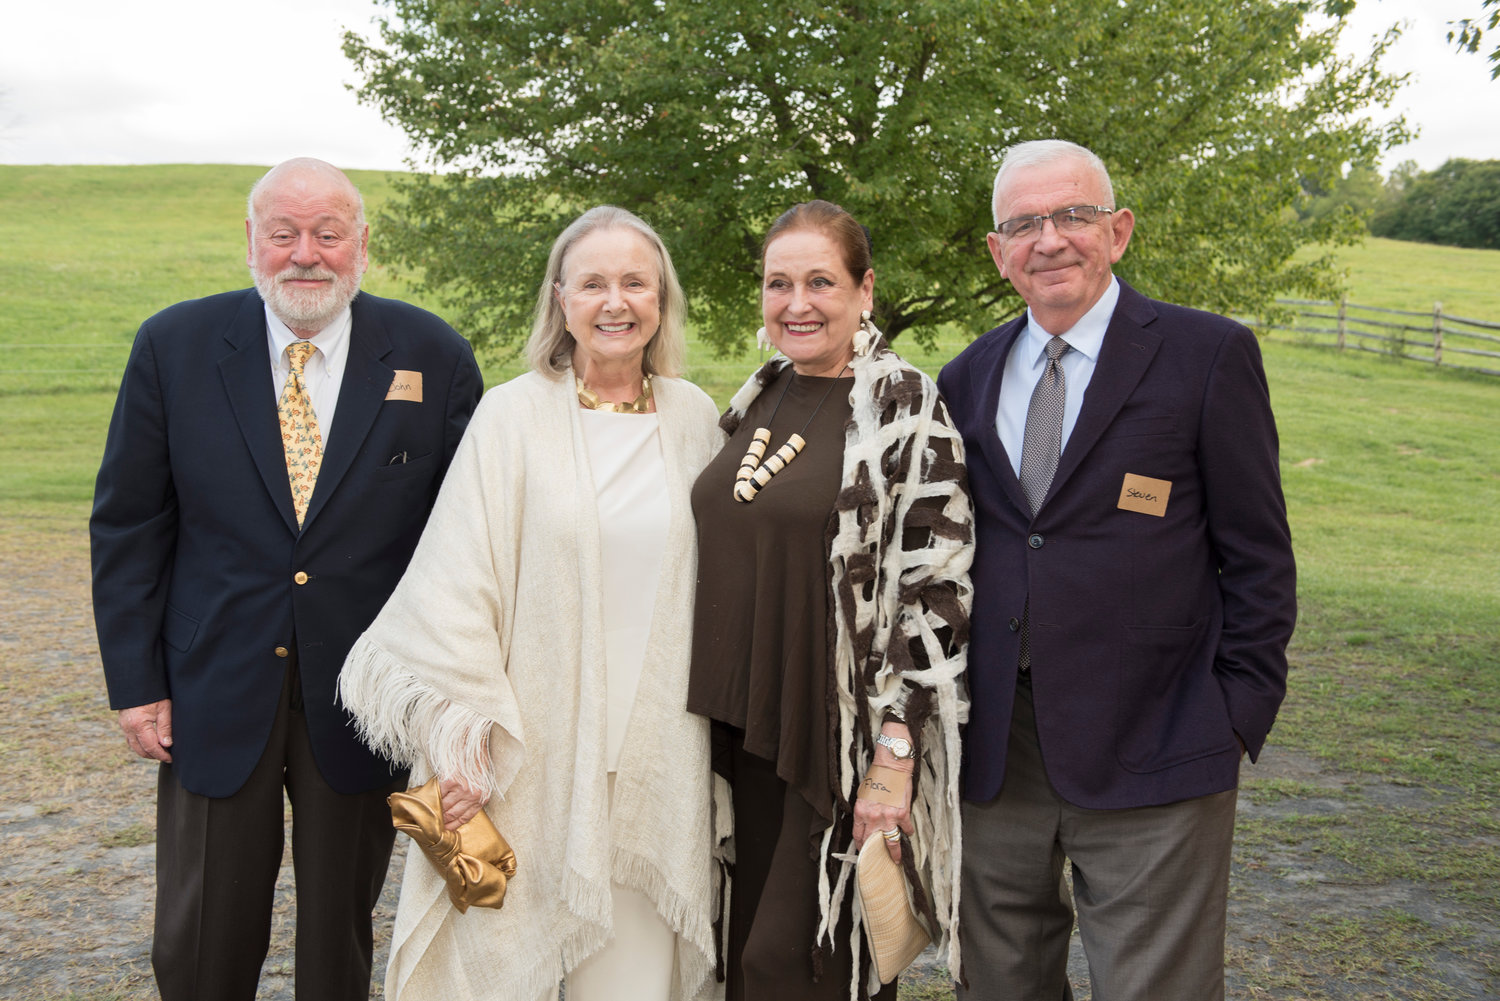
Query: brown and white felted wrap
[487, 663]
[900, 542]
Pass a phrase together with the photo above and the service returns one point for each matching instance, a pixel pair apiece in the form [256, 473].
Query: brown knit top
[761, 619]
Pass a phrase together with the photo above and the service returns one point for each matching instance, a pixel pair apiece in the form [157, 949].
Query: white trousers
[636, 964]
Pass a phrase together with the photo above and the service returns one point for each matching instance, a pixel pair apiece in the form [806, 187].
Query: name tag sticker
[406, 386]
[1144, 494]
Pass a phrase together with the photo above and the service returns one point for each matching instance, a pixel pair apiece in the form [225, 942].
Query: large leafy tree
[709, 118]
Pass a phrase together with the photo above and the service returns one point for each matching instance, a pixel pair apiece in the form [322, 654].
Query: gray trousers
[1151, 887]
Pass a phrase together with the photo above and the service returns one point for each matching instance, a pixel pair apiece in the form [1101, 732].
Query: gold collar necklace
[754, 474]
[591, 401]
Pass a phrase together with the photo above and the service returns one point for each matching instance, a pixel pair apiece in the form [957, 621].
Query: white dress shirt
[1028, 360]
[324, 372]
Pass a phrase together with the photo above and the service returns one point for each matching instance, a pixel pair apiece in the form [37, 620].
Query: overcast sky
[199, 81]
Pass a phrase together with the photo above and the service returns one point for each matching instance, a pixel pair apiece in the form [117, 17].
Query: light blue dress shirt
[1028, 360]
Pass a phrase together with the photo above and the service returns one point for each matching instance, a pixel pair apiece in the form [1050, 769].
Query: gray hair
[1042, 151]
[305, 165]
[550, 348]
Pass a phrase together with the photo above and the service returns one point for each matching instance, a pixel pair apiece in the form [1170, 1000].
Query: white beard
[306, 309]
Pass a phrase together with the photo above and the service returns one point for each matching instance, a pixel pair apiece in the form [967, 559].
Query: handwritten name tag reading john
[1144, 494]
[406, 386]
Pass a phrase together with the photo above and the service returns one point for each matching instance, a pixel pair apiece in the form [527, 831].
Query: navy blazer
[1155, 639]
[201, 577]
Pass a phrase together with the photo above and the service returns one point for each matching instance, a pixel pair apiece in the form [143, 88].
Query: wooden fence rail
[1440, 338]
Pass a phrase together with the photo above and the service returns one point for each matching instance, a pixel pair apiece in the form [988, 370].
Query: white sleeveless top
[630, 485]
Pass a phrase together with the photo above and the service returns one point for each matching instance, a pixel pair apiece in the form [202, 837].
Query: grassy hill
[1392, 474]
[86, 253]
[1399, 275]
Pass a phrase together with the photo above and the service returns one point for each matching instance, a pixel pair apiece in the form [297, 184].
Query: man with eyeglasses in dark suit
[1134, 593]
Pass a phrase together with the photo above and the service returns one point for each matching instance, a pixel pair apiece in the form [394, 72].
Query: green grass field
[1416, 276]
[1391, 469]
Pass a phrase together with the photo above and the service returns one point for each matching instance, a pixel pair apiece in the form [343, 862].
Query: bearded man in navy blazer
[225, 607]
[1132, 606]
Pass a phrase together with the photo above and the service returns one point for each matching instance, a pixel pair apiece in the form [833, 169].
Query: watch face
[899, 746]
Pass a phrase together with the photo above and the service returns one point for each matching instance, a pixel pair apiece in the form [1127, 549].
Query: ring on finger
[893, 835]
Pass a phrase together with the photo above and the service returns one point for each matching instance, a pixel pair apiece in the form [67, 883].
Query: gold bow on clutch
[894, 934]
[476, 861]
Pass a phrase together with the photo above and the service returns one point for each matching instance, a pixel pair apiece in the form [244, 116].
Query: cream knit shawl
[487, 663]
[900, 543]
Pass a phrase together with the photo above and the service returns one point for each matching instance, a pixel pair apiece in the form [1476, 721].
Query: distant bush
[1458, 205]
[1360, 192]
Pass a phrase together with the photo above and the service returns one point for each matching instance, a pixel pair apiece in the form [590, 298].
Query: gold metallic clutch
[892, 931]
[475, 861]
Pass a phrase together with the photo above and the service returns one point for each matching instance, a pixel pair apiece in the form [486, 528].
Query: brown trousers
[216, 866]
[773, 909]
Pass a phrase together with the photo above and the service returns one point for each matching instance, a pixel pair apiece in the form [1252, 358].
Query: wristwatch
[898, 746]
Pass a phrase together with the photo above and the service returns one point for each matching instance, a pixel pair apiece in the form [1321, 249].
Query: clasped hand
[460, 802]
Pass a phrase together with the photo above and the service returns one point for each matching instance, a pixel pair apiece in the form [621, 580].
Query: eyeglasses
[1069, 220]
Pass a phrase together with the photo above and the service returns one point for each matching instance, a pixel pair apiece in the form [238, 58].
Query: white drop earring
[864, 334]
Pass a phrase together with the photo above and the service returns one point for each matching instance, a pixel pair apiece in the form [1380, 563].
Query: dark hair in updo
[852, 239]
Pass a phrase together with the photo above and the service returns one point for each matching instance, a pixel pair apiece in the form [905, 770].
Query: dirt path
[77, 842]
[77, 810]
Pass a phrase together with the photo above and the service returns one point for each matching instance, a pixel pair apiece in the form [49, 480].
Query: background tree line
[711, 118]
[1458, 204]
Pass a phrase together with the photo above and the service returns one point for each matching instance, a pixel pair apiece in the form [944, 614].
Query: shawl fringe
[684, 916]
[404, 718]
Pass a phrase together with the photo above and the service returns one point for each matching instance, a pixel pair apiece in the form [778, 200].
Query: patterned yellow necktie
[299, 430]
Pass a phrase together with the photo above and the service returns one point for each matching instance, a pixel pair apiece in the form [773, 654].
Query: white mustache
[296, 274]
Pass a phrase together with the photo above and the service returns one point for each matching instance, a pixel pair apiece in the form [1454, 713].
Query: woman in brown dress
[831, 621]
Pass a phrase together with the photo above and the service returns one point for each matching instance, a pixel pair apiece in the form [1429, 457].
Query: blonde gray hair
[1041, 151]
[550, 348]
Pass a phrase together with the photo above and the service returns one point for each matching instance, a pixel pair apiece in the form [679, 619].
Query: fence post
[1343, 309]
[1437, 333]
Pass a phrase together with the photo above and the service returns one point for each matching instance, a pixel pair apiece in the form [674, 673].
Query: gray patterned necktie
[1044, 419]
[1039, 454]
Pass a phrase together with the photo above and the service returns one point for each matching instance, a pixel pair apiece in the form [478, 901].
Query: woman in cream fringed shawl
[535, 655]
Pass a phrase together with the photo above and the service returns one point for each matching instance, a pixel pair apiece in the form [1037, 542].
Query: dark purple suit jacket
[1155, 639]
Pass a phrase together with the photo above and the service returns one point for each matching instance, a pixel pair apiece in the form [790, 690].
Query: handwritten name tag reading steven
[1144, 494]
[406, 386]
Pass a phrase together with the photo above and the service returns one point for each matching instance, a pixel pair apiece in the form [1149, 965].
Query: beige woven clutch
[892, 930]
